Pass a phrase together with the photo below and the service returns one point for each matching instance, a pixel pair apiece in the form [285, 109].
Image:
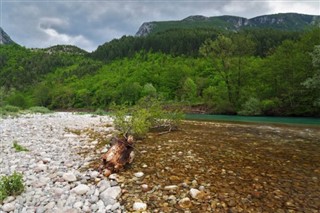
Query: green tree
[313, 83]
[189, 90]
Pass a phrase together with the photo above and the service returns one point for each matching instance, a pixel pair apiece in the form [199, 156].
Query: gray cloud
[88, 24]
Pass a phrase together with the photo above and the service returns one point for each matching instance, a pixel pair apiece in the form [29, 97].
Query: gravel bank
[54, 173]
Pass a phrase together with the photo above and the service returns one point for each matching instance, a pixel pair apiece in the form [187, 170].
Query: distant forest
[251, 72]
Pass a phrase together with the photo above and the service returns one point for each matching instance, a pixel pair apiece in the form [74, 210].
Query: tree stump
[120, 153]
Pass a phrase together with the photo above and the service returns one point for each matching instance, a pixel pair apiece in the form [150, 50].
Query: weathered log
[120, 153]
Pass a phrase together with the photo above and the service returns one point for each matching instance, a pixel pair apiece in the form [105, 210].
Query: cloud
[88, 24]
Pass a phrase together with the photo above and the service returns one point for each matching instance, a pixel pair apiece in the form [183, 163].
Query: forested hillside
[252, 72]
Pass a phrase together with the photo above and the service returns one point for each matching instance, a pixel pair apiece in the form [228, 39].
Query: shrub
[147, 114]
[251, 107]
[11, 185]
[18, 147]
[10, 108]
[39, 109]
[99, 112]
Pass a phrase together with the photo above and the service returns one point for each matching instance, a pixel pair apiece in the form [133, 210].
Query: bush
[10, 108]
[99, 112]
[251, 107]
[17, 99]
[18, 147]
[39, 109]
[11, 185]
[147, 114]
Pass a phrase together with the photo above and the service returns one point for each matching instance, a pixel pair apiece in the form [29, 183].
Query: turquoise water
[255, 119]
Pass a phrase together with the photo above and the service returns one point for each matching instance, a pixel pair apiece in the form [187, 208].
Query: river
[237, 167]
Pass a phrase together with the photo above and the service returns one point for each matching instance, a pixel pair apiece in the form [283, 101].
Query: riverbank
[57, 176]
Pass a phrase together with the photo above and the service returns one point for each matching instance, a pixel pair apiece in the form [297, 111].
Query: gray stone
[94, 174]
[194, 193]
[78, 204]
[50, 205]
[113, 192]
[139, 206]
[8, 199]
[100, 205]
[70, 177]
[8, 207]
[71, 211]
[81, 189]
[171, 187]
[115, 206]
[86, 209]
[139, 174]
[94, 207]
[93, 199]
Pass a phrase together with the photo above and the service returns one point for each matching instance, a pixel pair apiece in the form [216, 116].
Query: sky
[90, 23]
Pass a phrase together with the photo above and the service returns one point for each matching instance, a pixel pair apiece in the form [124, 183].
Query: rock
[8, 199]
[139, 174]
[110, 195]
[70, 177]
[77, 205]
[40, 167]
[94, 174]
[171, 187]
[139, 206]
[71, 211]
[144, 187]
[196, 194]
[57, 191]
[8, 207]
[185, 203]
[93, 199]
[115, 206]
[81, 189]
[50, 205]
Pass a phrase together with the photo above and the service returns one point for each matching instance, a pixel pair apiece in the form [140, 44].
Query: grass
[11, 185]
[9, 110]
[39, 109]
[19, 148]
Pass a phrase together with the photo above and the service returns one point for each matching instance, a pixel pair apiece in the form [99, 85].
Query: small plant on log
[146, 115]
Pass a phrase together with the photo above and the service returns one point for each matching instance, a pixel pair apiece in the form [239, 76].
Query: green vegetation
[259, 71]
[18, 147]
[146, 115]
[39, 109]
[11, 185]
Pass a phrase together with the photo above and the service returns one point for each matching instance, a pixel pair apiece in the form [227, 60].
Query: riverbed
[232, 167]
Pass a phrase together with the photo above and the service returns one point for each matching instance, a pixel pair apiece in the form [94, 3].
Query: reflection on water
[237, 168]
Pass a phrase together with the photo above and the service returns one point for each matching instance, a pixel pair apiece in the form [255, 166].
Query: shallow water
[239, 167]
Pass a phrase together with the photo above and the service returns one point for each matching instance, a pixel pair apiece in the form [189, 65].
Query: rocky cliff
[4, 37]
[282, 21]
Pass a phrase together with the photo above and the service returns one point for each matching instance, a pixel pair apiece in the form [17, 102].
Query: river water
[238, 167]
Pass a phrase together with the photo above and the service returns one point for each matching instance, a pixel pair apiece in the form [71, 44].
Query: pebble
[81, 189]
[194, 192]
[139, 206]
[139, 174]
[185, 203]
[171, 187]
[8, 207]
[56, 178]
[70, 177]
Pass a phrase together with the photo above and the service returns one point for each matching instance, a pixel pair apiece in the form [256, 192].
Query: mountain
[5, 38]
[68, 49]
[282, 21]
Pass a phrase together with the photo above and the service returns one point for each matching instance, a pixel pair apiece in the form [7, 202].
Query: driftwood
[120, 153]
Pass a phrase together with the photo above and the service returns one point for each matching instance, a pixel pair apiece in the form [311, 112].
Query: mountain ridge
[5, 38]
[283, 21]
